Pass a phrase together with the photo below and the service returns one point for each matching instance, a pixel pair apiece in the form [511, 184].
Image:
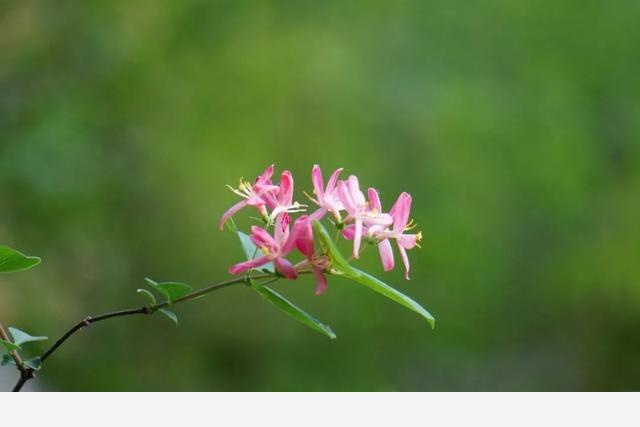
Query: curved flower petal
[232, 211]
[400, 212]
[247, 265]
[405, 260]
[333, 179]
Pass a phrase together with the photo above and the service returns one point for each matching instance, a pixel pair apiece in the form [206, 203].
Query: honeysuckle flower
[274, 248]
[254, 195]
[359, 210]
[282, 200]
[381, 235]
[302, 236]
[326, 198]
[400, 212]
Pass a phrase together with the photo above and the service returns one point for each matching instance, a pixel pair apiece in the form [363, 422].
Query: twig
[27, 373]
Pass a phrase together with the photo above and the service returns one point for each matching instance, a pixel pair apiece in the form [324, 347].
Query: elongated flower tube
[302, 237]
[359, 210]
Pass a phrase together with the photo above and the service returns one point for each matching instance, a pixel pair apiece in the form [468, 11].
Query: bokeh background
[515, 125]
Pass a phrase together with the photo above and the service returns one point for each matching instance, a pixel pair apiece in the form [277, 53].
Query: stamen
[311, 198]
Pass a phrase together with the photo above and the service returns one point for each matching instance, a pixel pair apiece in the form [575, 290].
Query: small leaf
[21, 337]
[292, 310]
[340, 264]
[34, 363]
[12, 260]
[170, 290]
[251, 251]
[149, 295]
[7, 360]
[9, 346]
[170, 314]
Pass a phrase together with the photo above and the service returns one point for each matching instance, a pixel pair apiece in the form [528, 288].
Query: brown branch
[27, 373]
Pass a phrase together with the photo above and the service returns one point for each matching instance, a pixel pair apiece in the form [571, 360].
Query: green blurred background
[515, 125]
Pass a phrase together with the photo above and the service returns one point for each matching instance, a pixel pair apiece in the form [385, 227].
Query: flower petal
[374, 200]
[261, 238]
[285, 267]
[349, 232]
[321, 281]
[354, 189]
[400, 212]
[301, 237]
[386, 255]
[285, 195]
[407, 241]
[405, 261]
[345, 198]
[318, 182]
[265, 177]
[247, 265]
[357, 238]
[333, 179]
[232, 211]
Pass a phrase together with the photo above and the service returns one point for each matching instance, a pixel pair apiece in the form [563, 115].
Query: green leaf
[12, 260]
[149, 295]
[251, 251]
[338, 262]
[34, 363]
[341, 266]
[9, 346]
[7, 360]
[170, 290]
[292, 310]
[170, 314]
[21, 337]
[391, 293]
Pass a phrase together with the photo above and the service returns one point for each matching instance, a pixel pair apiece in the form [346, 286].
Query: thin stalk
[27, 373]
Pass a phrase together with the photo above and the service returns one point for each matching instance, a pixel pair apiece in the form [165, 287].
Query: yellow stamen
[411, 225]
[311, 198]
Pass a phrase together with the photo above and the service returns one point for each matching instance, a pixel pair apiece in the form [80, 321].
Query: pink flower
[380, 234]
[253, 195]
[400, 212]
[282, 201]
[359, 211]
[264, 194]
[327, 199]
[302, 237]
[274, 249]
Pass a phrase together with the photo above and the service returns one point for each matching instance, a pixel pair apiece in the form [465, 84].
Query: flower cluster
[358, 218]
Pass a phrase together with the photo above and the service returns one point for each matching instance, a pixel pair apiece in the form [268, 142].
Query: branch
[27, 373]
